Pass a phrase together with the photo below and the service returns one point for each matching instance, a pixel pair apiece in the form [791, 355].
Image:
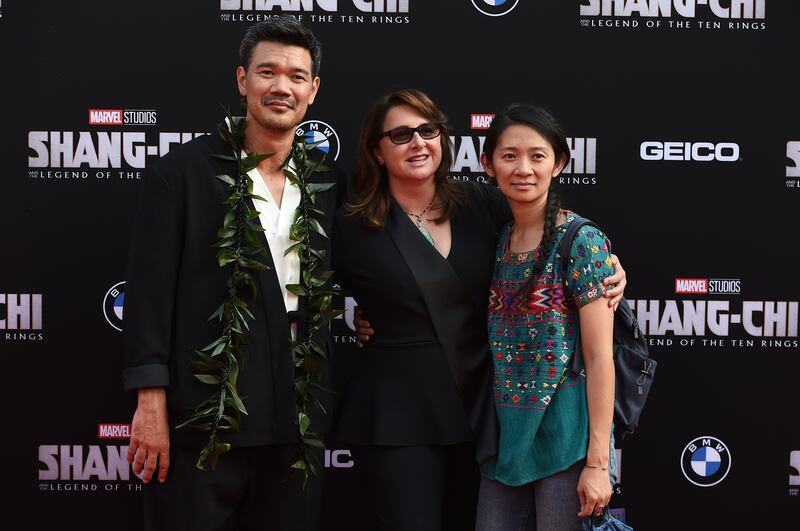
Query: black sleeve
[495, 202]
[150, 288]
[502, 212]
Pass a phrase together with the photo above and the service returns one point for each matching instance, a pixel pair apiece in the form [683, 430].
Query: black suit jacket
[425, 375]
[174, 283]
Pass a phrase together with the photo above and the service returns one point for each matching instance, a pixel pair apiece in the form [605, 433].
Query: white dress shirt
[276, 223]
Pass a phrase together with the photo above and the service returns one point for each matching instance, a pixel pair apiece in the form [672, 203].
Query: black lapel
[270, 287]
[459, 327]
[325, 201]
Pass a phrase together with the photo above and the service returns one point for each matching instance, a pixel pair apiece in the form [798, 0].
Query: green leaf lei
[239, 250]
[315, 286]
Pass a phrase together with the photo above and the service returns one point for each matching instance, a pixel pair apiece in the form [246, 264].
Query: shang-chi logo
[480, 121]
[69, 462]
[739, 9]
[105, 116]
[691, 285]
[778, 319]
[366, 6]
[21, 311]
[114, 431]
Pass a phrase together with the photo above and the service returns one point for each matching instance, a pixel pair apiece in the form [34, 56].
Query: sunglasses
[404, 134]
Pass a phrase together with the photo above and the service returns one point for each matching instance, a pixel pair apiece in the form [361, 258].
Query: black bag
[634, 368]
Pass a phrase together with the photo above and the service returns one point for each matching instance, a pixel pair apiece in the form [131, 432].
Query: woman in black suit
[417, 252]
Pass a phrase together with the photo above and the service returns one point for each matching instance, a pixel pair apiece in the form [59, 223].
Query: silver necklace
[418, 221]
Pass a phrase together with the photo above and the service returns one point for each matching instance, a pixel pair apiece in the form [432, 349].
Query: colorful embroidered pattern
[532, 343]
[541, 404]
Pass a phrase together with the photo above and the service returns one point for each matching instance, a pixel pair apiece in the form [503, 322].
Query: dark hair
[371, 181]
[283, 29]
[539, 119]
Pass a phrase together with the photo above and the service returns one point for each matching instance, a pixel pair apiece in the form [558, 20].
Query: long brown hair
[370, 179]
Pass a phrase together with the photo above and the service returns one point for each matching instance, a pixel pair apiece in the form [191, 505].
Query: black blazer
[425, 376]
[174, 283]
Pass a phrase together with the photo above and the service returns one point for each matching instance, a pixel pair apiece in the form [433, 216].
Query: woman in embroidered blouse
[417, 252]
[555, 426]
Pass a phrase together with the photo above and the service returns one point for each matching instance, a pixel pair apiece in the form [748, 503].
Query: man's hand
[150, 435]
[618, 280]
[363, 329]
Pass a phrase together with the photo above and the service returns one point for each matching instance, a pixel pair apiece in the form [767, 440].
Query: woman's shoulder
[590, 246]
[588, 233]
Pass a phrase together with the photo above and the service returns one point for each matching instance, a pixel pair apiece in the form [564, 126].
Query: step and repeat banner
[684, 123]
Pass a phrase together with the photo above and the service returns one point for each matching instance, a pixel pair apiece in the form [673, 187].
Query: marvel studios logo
[480, 121]
[113, 431]
[123, 117]
[708, 286]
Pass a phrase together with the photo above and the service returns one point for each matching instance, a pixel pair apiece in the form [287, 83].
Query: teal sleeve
[589, 263]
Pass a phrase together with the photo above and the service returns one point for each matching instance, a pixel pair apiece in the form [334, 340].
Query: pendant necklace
[418, 217]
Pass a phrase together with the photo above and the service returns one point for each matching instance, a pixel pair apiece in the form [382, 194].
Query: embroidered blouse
[541, 404]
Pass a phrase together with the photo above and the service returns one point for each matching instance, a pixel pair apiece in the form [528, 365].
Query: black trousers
[421, 488]
[249, 490]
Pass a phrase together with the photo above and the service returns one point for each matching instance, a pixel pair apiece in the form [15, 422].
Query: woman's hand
[618, 281]
[594, 491]
[363, 328]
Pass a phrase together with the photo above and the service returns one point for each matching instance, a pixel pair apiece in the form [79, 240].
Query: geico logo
[697, 151]
[338, 459]
[793, 154]
[665, 8]
[366, 6]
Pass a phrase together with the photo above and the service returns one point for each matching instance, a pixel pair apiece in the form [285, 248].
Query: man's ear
[314, 89]
[241, 74]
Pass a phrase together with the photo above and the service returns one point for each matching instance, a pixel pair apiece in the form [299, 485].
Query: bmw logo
[322, 135]
[113, 304]
[495, 8]
[705, 461]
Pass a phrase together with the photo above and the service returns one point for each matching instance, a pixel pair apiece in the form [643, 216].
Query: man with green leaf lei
[228, 302]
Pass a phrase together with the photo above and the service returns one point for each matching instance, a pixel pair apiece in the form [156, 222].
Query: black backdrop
[684, 122]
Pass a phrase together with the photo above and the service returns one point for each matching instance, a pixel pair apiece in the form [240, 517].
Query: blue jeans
[549, 504]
